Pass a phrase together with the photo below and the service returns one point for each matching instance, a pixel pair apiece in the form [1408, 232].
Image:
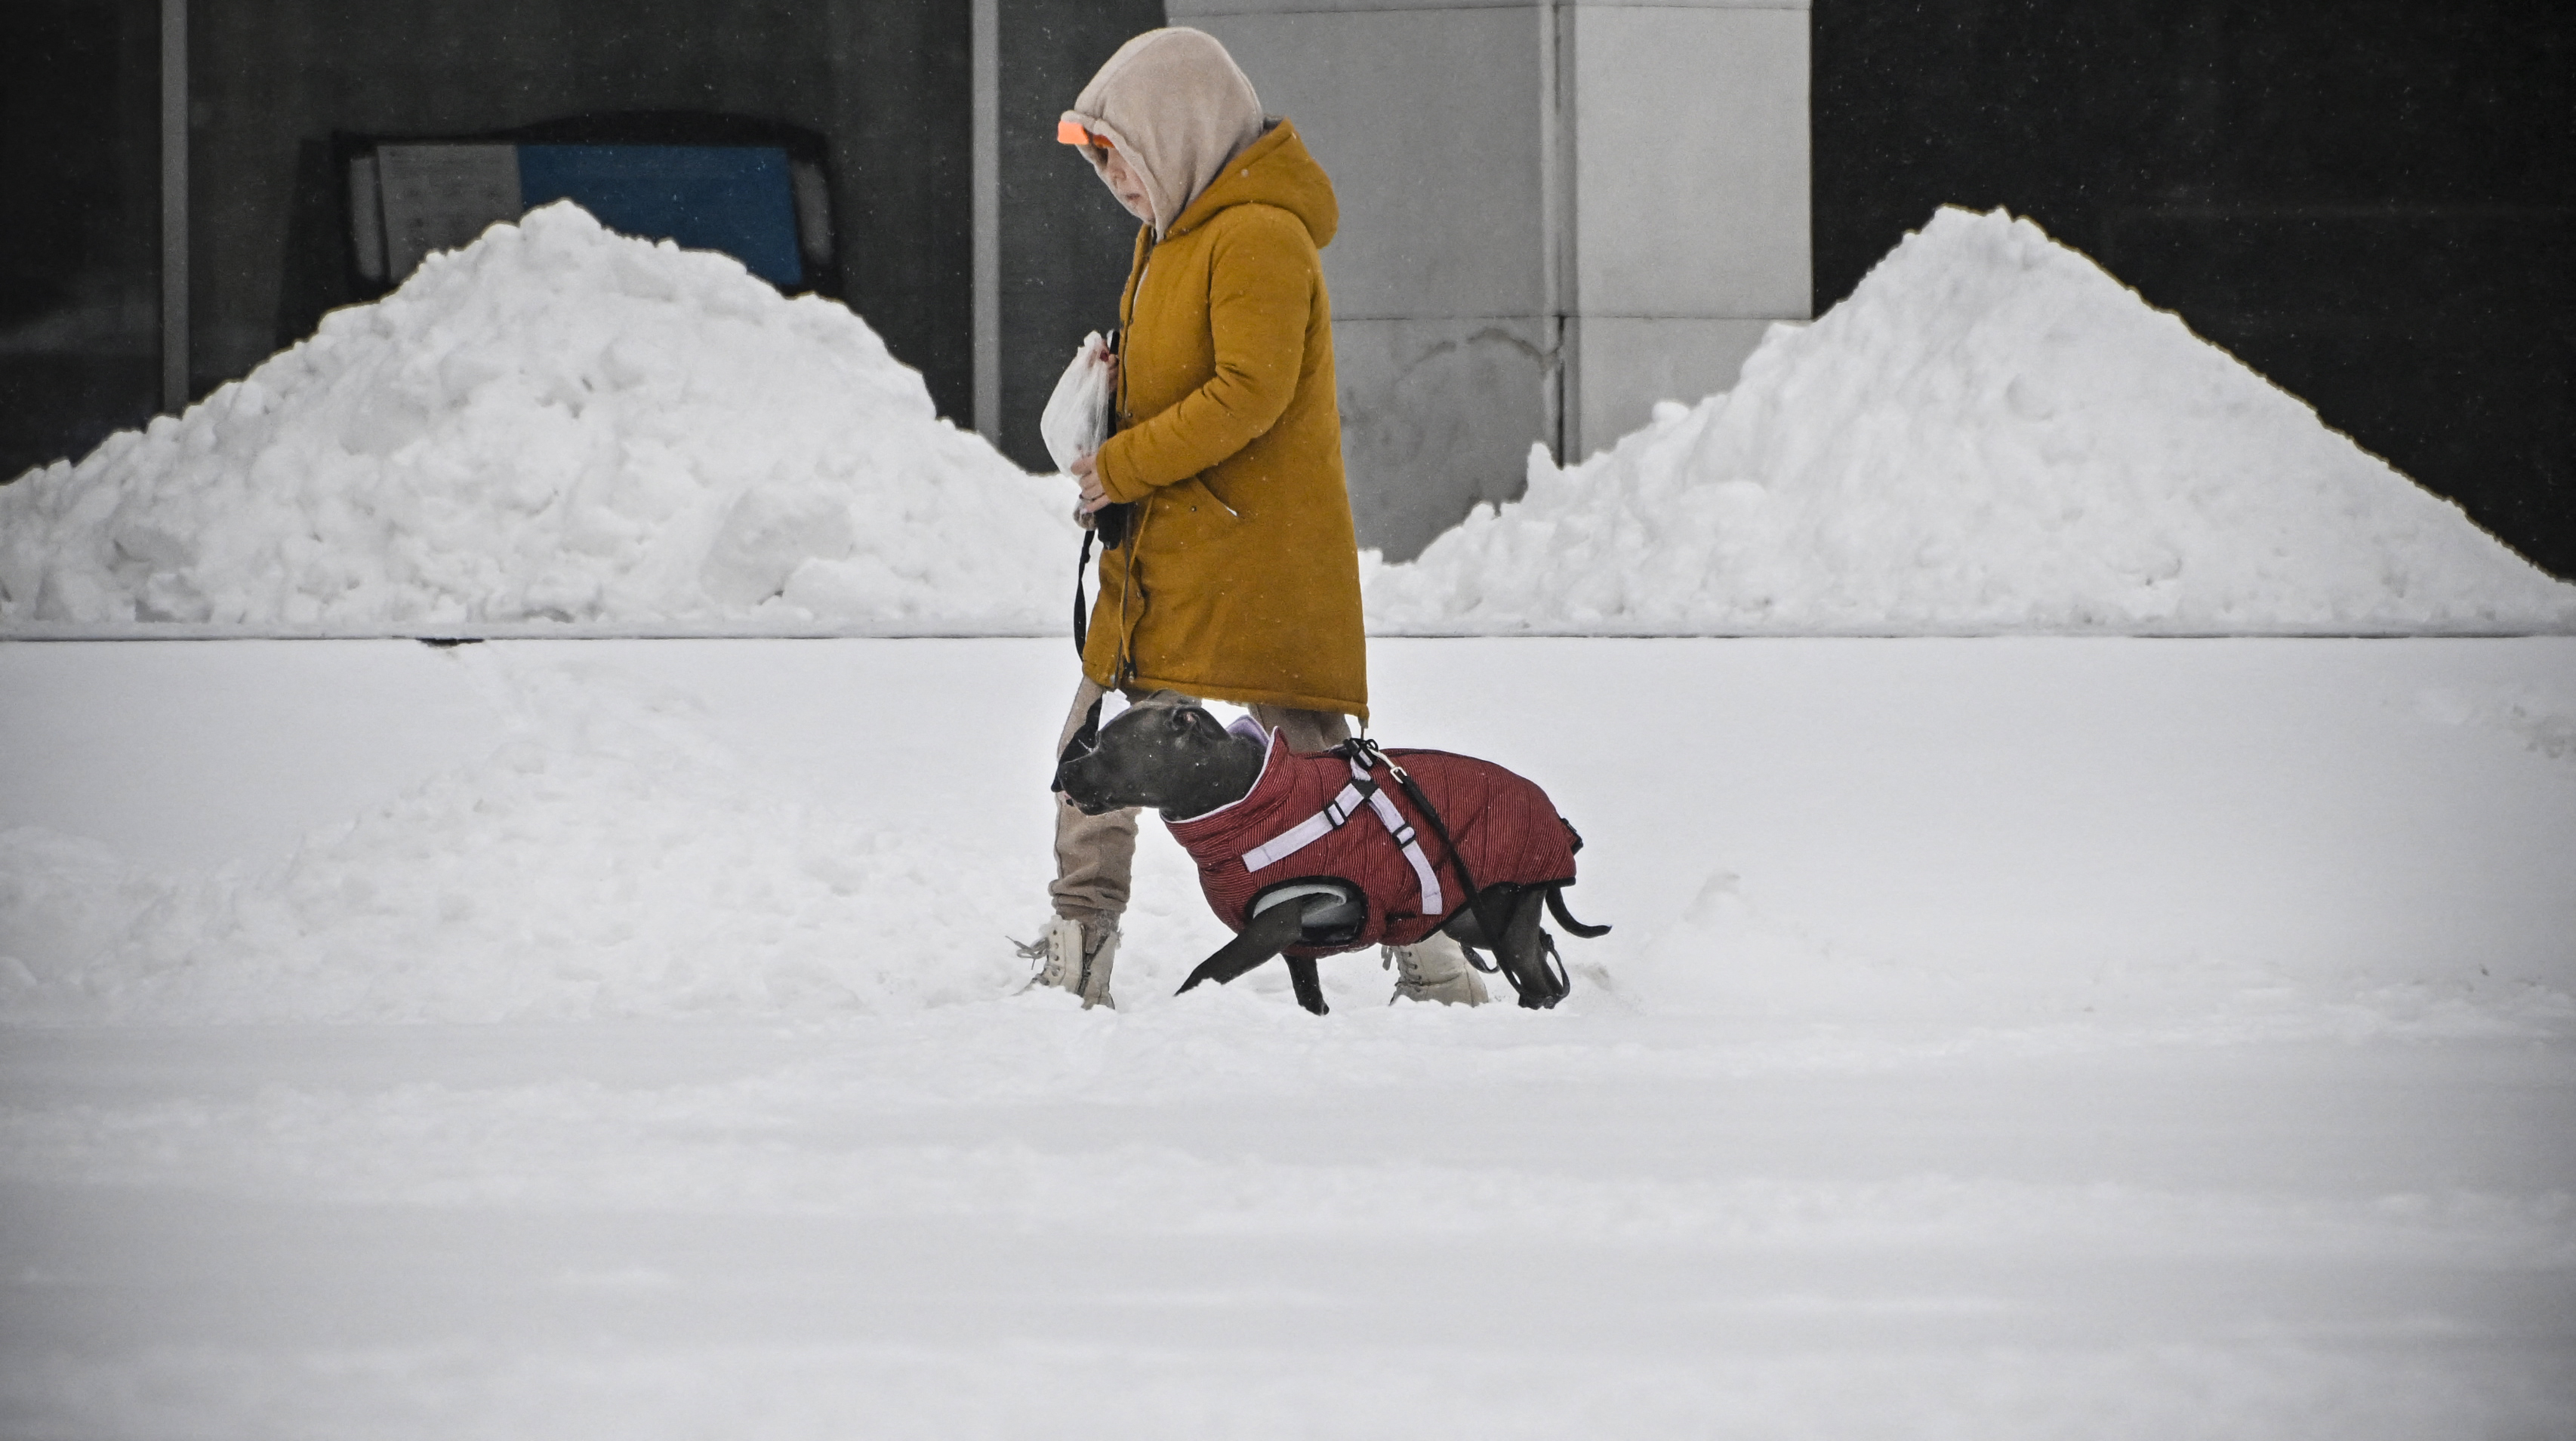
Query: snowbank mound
[554, 423]
[607, 862]
[1990, 434]
[559, 424]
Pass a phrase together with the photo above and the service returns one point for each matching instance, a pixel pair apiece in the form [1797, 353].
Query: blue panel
[733, 198]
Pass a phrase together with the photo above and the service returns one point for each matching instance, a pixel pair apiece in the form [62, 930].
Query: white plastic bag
[1076, 418]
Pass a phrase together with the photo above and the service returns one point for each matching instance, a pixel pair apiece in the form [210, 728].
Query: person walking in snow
[1231, 571]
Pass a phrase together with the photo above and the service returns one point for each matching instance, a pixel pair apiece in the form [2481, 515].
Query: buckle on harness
[1364, 753]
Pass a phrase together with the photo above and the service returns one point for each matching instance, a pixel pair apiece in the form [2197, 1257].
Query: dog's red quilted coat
[1506, 825]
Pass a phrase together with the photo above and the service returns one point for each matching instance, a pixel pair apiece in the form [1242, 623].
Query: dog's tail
[1565, 918]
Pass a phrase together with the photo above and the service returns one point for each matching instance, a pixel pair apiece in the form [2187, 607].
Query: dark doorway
[2372, 203]
[80, 265]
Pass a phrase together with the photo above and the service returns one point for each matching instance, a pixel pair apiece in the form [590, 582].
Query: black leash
[1082, 606]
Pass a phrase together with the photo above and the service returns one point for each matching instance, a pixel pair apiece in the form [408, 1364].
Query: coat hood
[1275, 170]
[1176, 105]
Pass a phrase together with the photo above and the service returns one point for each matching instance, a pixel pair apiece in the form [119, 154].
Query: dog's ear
[1201, 721]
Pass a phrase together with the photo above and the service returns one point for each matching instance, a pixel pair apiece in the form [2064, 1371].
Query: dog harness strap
[1423, 874]
[1292, 840]
[1336, 813]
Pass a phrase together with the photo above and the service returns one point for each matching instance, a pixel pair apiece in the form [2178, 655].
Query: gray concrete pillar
[1553, 215]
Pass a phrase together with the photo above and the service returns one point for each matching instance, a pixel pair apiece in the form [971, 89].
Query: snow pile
[559, 424]
[1990, 434]
[555, 423]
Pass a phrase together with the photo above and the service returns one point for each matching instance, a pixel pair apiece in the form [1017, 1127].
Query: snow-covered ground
[2000, 1038]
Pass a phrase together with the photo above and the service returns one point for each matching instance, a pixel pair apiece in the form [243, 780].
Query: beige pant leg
[1094, 855]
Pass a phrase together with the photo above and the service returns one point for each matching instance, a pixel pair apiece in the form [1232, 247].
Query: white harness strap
[1335, 814]
[1428, 878]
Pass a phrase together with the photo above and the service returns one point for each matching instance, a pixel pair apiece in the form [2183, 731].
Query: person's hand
[1086, 469]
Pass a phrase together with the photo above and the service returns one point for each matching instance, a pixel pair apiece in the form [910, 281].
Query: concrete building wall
[1552, 216]
[80, 268]
[1689, 207]
[1431, 122]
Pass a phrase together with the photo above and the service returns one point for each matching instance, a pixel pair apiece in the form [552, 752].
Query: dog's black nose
[1084, 792]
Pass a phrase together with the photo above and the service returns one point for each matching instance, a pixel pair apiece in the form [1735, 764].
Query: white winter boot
[1070, 958]
[1435, 969]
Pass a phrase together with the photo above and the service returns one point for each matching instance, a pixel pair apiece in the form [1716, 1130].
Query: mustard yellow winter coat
[1240, 577]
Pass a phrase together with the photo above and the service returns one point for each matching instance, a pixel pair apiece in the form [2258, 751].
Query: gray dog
[1309, 855]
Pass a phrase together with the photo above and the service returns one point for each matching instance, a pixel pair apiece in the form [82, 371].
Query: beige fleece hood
[1176, 105]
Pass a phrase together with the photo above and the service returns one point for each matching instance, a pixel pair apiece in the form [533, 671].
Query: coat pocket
[1191, 509]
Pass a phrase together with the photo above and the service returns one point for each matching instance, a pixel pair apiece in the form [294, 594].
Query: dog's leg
[1270, 933]
[1469, 929]
[1528, 956]
[1464, 928]
[1310, 987]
